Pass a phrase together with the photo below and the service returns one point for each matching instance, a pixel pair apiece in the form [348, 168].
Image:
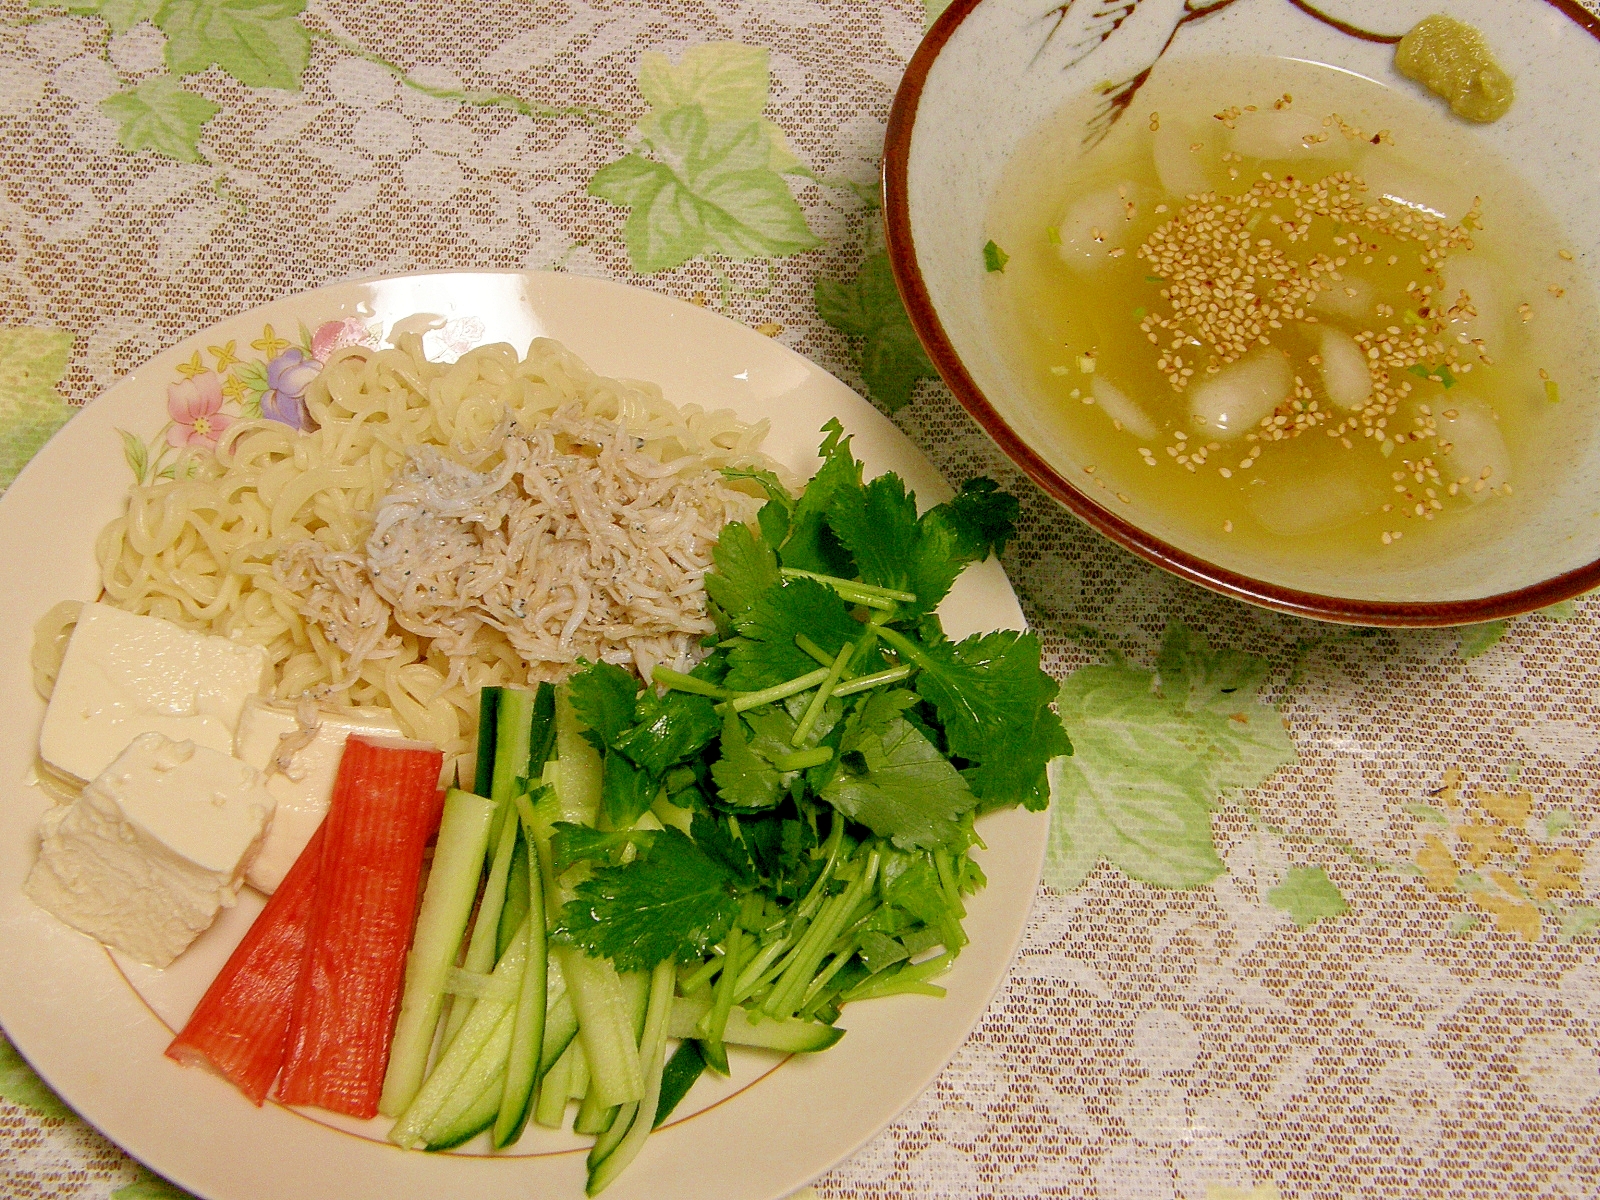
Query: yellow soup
[1285, 306]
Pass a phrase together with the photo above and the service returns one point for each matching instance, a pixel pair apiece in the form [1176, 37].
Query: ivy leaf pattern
[159, 115]
[1308, 896]
[150, 1187]
[1152, 756]
[261, 43]
[121, 15]
[137, 454]
[32, 362]
[1475, 639]
[869, 307]
[713, 185]
[20, 1086]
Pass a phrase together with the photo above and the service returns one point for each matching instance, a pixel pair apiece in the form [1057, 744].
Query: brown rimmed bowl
[990, 73]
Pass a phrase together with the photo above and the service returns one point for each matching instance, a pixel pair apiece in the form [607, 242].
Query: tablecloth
[1361, 962]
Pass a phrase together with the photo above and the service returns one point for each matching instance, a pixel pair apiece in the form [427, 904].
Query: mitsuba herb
[792, 822]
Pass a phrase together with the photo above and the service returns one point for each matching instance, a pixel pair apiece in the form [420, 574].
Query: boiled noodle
[443, 528]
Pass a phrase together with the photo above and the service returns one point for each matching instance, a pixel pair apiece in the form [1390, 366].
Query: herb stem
[867, 682]
[679, 682]
[748, 700]
[808, 722]
[814, 650]
[703, 974]
[869, 594]
[812, 756]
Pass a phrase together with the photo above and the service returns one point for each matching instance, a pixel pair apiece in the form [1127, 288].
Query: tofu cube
[300, 773]
[124, 675]
[155, 846]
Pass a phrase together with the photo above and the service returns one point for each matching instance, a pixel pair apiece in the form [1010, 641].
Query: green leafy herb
[1308, 895]
[744, 779]
[994, 258]
[603, 698]
[771, 656]
[746, 567]
[150, 1186]
[897, 784]
[869, 307]
[571, 844]
[672, 902]
[626, 789]
[669, 729]
[993, 698]
[1150, 761]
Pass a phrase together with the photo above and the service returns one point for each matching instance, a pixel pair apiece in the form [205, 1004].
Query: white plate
[95, 1026]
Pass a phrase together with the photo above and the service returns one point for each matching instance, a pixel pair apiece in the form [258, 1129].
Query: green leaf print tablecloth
[1321, 906]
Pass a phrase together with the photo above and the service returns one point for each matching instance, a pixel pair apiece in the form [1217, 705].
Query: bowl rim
[941, 350]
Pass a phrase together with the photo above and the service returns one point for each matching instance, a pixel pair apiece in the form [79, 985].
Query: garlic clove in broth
[1233, 401]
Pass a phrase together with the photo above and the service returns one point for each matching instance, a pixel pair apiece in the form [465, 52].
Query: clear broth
[1449, 444]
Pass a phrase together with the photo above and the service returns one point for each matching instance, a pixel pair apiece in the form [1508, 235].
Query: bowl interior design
[994, 74]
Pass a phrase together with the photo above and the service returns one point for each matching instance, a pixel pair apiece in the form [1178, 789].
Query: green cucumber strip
[475, 985]
[472, 1122]
[602, 1171]
[488, 724]
[605, 1027]
[613, 1134]
[513, 745]
[578, 771]
[446, 907]
[527, 1041]
[486, 928]
[516, 906]
[579, 1087]
[458, 1057]
[593, 1117]
[487, 1065]
[560, 1027]
[679, 1075]
[767, 1033]
[542, 738]
[551, 1108]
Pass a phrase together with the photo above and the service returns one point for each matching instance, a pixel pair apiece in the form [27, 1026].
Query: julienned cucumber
[786, 1036]
[527, 1042]
[446, 907]
[475, 1120]
[605, 1165]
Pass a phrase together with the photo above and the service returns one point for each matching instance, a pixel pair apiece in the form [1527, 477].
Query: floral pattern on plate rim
[206, 399]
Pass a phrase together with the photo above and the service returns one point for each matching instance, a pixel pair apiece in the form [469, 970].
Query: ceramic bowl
[988, 76]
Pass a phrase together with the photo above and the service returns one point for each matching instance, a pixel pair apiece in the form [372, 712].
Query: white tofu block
[155, 846]
[301, 780]
[124, 675]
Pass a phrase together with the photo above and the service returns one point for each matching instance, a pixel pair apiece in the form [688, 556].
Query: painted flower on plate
[336, 335]
[195, 406]
[288, 376]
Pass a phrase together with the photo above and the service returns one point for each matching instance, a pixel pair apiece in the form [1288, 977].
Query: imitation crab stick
[385, 807]
[241, 1025]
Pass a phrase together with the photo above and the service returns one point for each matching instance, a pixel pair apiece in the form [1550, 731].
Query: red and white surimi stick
[385, 808]
[241, 1025]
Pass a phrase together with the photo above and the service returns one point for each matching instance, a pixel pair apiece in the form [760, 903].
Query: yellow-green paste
[1451, 59]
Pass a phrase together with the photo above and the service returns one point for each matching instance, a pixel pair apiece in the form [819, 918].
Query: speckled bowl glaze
[991, 72]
